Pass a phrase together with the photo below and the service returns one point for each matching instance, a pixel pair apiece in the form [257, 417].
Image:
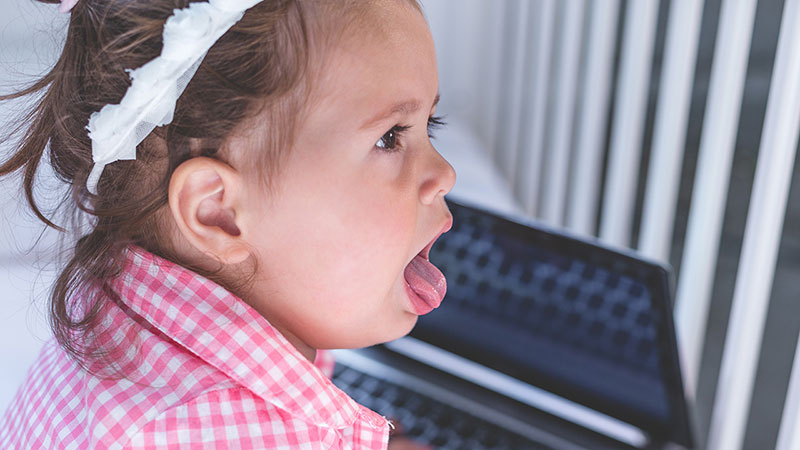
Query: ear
[204, 197]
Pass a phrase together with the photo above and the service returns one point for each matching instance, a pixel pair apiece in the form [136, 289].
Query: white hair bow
[67, 5]
[116, 130]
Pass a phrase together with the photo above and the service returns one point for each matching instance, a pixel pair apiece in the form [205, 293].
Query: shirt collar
[224, 331]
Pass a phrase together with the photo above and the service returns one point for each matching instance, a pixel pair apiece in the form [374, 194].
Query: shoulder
[233, 417]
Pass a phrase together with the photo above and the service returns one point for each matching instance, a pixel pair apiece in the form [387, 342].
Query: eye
[388, 142]
[435, 123]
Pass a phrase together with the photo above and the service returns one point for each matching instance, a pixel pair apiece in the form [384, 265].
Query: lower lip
[419, 306]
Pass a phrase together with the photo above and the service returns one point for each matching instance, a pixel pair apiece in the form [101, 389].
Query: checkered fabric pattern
[202, 370]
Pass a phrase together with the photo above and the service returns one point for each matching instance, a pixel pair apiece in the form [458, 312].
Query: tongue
[426, 281]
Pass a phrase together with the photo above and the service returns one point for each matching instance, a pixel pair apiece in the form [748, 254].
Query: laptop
[544, 341]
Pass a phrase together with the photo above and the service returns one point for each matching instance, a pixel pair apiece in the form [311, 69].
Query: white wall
[30, 34]
[468, 43]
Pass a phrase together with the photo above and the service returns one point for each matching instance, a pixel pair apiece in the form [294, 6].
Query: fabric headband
[67, 5]
[149, 102]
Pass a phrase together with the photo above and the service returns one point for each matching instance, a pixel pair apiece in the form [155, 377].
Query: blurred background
[643, 123]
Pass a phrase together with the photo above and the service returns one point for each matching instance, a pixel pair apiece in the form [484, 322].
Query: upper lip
[426, 251]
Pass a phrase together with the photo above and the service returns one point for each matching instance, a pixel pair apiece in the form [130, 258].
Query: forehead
[385, 55]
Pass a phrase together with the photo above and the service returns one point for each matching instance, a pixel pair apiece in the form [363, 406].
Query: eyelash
[397, 131]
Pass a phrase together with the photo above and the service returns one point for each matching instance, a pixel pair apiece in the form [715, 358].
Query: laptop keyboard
[425, 419]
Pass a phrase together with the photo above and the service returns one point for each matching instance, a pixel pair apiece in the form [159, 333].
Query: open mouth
[426, 251]
[425, 283]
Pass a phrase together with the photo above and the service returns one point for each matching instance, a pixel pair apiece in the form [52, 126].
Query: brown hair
[259, 67]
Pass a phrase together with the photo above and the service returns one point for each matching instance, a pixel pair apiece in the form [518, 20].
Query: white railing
[568, 118]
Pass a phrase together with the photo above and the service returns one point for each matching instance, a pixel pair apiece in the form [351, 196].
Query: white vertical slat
[765, 216]
[495, 74]
[626, 134]
[669, 137]
[554, 177]
[556, 173]
[789, 433]
[508, 138]
[711, 180]
[593, 116]
[533, 134]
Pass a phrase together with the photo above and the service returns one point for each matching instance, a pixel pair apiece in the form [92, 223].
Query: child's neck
[307, 351]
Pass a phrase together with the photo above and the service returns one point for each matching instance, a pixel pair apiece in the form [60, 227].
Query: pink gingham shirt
[203, 371]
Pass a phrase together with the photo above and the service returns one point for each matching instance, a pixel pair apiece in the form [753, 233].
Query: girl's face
[360, 194]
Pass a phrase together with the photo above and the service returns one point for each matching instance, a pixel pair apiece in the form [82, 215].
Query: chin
[386, 334]
[407, 327]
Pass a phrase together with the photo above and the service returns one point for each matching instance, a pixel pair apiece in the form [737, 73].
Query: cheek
[364, 266]
[343, 251]
[380, 211]
[344, 231]
[373, 245]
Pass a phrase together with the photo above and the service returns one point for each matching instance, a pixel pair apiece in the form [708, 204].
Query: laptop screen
[584, 322]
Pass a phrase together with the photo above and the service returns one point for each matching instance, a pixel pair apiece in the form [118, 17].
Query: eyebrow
[406, 107]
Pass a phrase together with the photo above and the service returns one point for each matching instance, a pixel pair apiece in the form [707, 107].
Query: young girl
[285, 201]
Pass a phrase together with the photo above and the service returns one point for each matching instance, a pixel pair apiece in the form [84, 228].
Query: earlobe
[203, 200]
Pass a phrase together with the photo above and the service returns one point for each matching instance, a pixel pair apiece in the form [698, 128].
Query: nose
[438, 179]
